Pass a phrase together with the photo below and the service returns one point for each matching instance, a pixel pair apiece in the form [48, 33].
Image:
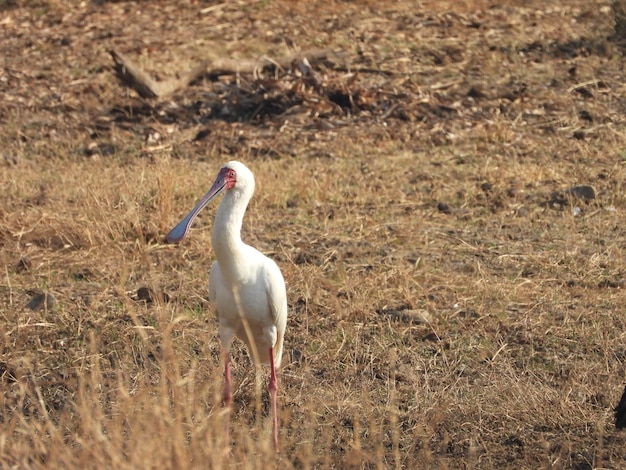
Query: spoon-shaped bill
[182, 229]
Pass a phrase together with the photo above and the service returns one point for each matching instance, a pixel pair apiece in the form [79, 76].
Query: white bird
[245, 286]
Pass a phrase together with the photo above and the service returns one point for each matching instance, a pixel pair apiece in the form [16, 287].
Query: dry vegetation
[425, 175]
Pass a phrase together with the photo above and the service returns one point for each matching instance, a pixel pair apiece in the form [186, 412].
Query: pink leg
[273, 389]
[228, 395]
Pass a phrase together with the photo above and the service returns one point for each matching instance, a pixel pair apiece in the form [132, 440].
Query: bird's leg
[273, 389]
[228, 395]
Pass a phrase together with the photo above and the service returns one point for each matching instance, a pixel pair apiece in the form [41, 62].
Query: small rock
[586, 115]
[418, 316]
[583, 192]
[145, 293]
[611, 283]
[43, 300]
[443, 207]
[476, 91]
[103, 149]
[149, 296]
[24, 264]
[202, 133]
[410, 316]
[585, 92]
[521, 211]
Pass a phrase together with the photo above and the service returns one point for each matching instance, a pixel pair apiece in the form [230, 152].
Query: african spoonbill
[245, 286]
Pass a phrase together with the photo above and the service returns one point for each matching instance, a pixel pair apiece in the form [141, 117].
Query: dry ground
[424, 176]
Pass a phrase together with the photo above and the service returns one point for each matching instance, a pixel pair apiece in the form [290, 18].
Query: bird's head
[234, 178]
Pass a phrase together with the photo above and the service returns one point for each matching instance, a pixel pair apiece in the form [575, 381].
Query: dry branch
[130, 74]
[134, 77]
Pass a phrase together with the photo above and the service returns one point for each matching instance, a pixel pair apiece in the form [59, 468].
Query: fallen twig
[137, 79]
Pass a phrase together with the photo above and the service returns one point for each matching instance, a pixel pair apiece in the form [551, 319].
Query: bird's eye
[231, 174]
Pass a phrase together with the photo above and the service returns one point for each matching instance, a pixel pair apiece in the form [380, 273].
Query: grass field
[451, 304]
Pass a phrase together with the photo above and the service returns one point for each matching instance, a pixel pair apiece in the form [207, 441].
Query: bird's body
[266, 326]
[245, 286]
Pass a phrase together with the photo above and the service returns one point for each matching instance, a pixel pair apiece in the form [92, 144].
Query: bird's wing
[213, 275]
[276, 294]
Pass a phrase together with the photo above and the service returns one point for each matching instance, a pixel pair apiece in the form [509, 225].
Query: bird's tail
[278, 353]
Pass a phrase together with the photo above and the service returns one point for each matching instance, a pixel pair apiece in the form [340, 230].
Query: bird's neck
[226, 236]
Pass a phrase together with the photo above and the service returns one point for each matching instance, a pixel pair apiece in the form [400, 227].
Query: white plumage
[245, 286]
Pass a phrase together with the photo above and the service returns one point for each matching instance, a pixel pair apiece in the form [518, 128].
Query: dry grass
[452, 203]
[619, 13]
